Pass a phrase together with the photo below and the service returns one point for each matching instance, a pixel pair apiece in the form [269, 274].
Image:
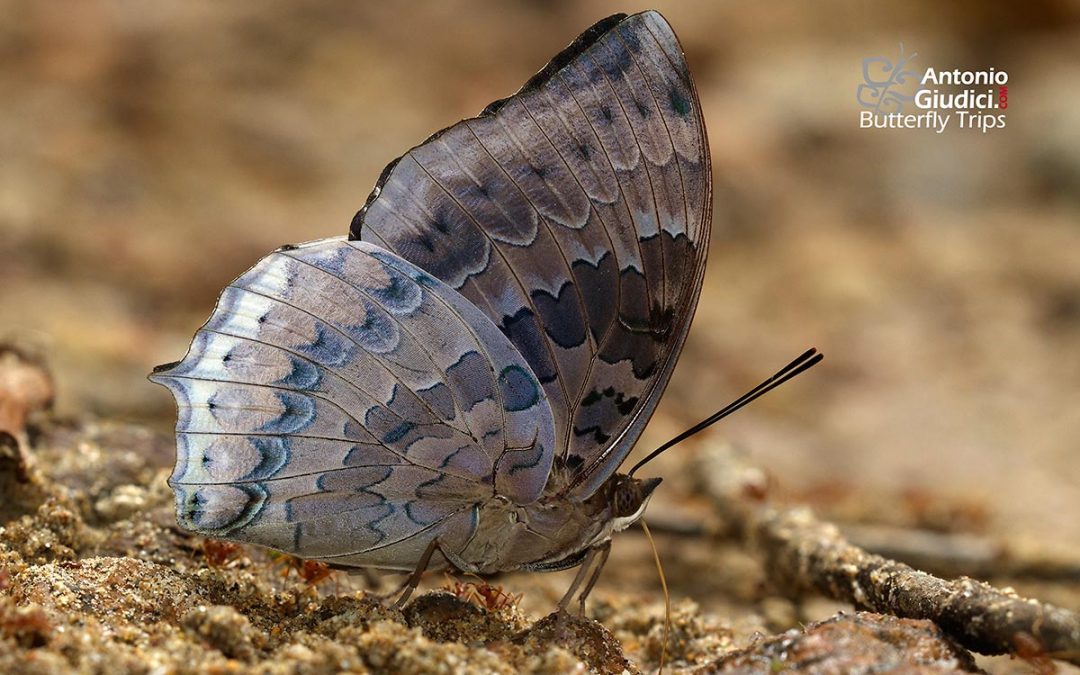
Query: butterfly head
[628, 498]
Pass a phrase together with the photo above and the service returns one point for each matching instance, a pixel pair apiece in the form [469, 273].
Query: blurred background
[150, 152]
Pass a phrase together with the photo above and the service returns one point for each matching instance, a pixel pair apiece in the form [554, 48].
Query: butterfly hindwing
[342, 403]
[575, 215]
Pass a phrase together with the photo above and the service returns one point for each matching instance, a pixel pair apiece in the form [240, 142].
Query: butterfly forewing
[575, 215]
[343, 404]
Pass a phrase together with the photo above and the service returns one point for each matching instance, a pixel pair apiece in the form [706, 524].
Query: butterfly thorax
[554, 532]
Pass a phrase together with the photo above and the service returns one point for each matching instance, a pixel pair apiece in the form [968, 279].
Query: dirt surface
[96, 577]
[150, 155]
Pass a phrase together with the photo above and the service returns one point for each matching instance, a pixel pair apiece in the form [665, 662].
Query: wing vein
[445, 376]
[374, 357]
[644, 163]
[674, 151]
[576, 403]
[487, 358]
[541, 218]
[400, 539]
[348, 383]
[513, 273]
[322, 398]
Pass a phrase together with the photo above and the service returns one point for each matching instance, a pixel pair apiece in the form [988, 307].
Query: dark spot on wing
[378, 332]
[298, 413]
[440, 399]
[520, 391]
[327, 348]
[274, 453]
[597, 284]
[679, 103]
[561, 315]
[398, 432]
[598, 435]
[440, 224]
[397, 422]
[623, 403]
[304, 375]
[220, 508]
[400, 295]
[470, 378]
[523, 331]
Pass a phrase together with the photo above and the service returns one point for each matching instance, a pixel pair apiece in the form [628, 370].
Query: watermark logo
[882, 90]
[893, 96]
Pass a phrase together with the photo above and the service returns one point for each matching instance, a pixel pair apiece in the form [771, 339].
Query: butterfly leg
[383, 596]
[603, 556]
[583, 573]
[578, 578]
[414, 579]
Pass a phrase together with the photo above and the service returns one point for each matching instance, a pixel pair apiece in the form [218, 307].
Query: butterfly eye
[626, 500]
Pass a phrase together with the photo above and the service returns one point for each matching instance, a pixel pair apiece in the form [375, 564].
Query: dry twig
[954, 554]
[804, 554]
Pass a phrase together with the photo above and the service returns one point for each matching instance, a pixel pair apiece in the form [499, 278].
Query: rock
[224, 629]
[54, 532]
[445, 617]
[115, 591]
[122, 503]
[861, 642]
[582, 637]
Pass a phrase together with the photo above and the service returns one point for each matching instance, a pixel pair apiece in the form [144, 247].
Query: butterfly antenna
[667, 598]
[808, 359]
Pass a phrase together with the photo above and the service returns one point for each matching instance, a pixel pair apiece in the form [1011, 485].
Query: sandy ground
[151, 156]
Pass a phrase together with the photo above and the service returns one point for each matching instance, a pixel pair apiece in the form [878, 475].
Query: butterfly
[458, 381]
